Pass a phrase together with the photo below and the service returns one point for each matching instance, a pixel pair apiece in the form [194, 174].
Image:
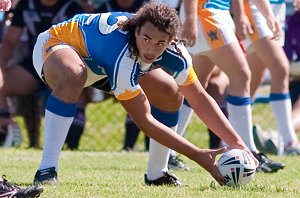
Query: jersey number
[108, 21]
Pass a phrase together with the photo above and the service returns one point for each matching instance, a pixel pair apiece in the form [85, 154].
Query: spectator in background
[120, 6]
[172, 3]
[292, 50]
[21, 79]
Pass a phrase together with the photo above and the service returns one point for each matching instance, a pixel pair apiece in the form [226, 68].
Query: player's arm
[209, 112]
[190, 27]
[139, 109]
[241, 21]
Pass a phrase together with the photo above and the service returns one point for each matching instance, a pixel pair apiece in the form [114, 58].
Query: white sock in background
[282, 110]
[185, 115]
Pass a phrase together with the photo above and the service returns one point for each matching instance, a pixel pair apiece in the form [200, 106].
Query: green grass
[116, 174]
[99, 170]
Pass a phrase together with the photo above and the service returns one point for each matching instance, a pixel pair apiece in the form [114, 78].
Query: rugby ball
[236, 167]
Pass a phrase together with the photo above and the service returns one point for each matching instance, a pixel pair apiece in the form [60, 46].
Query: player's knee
[242, 79]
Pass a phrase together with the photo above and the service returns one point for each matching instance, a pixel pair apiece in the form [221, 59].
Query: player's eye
[146, 40]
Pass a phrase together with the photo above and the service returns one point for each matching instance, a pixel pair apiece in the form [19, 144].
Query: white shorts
[215, 29]
[259, 23]
[46, 45]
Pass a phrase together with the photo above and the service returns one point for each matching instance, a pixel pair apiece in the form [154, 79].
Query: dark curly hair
[163, 17]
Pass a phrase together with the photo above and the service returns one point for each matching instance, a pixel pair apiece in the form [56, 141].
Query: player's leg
[217, 88]
[232, 61]
[164, 109]
[66, 75]
[217, 40]
[279, 98]
[271, 54]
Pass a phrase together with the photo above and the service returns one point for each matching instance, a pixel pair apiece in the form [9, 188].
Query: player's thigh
[65, 65]
[59, 64]
[20, 82]
[231, 59]
[161, 90]
[271, 54]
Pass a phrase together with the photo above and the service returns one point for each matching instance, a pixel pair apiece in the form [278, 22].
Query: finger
[254, 158]
[240, 35]
[220, 150]
[278, 31]
[250, 29]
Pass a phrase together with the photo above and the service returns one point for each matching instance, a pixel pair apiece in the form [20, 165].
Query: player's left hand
[208, 162]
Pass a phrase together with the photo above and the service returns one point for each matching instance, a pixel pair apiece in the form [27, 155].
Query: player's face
[151, 42]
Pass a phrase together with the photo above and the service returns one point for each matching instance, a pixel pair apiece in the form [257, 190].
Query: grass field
[116, 174]
[99, 171]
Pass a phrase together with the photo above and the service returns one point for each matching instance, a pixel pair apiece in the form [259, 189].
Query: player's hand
[190, 32]
[208, 162]
[274, 26]
[242, 27]
[245, 148]
[5, 5]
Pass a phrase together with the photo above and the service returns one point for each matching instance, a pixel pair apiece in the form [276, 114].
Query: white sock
[55, 132]
[240, 118]
[158, 159]
[282, 110]
[185, 115]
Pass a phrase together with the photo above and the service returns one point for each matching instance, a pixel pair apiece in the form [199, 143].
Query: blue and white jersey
[215, 4]
[106, 51]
